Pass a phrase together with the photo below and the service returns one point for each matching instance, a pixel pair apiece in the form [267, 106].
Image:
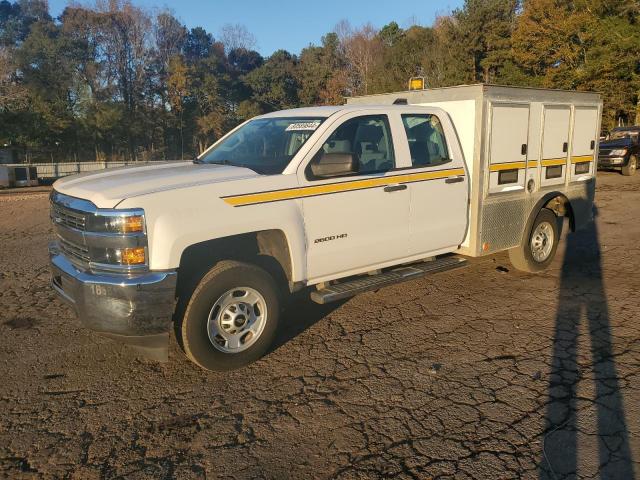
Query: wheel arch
[555, 201]
[635, 154]
[268, 249]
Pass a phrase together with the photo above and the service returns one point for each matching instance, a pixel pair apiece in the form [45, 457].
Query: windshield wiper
[217, 162]
[227, 162]
[220, 162]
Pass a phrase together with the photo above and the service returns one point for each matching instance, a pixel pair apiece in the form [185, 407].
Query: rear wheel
[231, 318]
[632, 166]
[540, 244]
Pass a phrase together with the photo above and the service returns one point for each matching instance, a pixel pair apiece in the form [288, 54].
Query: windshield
[265, 145]
[622, 134]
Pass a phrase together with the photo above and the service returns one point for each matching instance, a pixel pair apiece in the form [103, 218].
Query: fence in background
[51, 171]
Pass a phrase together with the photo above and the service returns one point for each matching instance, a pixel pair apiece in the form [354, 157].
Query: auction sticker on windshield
[303, 126]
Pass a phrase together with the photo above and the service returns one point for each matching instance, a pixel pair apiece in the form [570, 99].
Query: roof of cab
[330, 110]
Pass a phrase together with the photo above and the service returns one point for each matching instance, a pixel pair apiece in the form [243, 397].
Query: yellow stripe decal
[497, 167]
[552, 162]
[582, 159]
[302, 192]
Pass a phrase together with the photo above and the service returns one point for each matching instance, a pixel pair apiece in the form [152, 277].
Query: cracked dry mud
[479, 373]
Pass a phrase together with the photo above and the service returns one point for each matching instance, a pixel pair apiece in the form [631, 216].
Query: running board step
[349, 288]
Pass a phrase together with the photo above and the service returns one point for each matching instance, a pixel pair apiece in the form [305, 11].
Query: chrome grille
[603, 152]
[67, 217]
[73, 250]
[83, 243]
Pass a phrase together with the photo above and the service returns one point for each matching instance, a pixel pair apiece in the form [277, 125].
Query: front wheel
[631, 167]
[231, 318]
[540, 244]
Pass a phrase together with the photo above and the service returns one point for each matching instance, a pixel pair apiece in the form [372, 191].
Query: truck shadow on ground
[582, 299]
[300, 314]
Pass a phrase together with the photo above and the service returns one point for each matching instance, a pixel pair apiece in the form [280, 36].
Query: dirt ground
[483, 372]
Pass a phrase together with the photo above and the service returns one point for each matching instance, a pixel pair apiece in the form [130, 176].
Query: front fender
[177, 219]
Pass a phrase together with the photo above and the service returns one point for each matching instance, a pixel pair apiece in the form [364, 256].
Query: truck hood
[109, 187]
[618, 143]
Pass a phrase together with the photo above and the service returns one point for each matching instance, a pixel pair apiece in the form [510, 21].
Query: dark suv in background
[621, 150]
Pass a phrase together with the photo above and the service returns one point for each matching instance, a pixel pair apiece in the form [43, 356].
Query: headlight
[121, 241]
[618, 153]
[122, 224]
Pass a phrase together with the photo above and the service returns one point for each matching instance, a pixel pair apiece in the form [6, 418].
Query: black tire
[631, 167]
[522, 256]
[222, 278]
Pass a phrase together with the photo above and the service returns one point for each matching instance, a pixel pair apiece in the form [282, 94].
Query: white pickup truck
[339, 200]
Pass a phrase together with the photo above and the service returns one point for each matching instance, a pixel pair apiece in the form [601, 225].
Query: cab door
[355, 222]
[438, 184]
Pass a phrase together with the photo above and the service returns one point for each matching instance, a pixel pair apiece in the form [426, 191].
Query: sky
[292, 25]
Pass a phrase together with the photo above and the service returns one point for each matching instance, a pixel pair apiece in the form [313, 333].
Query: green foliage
[275, 85]
[316, 68]
[485, 28]
[197, 44]
[390, 34]
[583, 45]
[405, 57]
[17, 18]
[117, 81]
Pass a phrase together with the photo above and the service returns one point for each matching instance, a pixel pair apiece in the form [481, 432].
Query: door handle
[394, 188]
[454, 179]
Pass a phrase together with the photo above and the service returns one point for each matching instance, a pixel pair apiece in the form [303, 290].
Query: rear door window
[427, 142]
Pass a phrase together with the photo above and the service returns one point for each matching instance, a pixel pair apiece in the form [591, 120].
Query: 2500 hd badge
[332, 237]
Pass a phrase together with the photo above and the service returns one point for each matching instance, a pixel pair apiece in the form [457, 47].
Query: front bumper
[611, 162]
[137, 310]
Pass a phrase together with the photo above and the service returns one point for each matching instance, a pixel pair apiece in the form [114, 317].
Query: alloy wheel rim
[237, 319]
[542, 242]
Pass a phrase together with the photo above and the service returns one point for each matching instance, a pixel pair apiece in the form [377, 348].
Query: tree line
[115, 81]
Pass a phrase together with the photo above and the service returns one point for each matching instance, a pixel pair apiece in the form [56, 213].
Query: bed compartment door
[508, 147]
[583, 143]
[555, 144]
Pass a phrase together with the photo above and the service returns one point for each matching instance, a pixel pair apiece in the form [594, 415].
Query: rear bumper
[134, 309]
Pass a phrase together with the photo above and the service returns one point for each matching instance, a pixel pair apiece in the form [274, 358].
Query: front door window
[368, 138]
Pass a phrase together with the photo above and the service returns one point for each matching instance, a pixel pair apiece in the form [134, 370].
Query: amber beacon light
[416, 83]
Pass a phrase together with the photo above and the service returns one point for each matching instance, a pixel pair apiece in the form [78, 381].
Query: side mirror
[333, 164]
